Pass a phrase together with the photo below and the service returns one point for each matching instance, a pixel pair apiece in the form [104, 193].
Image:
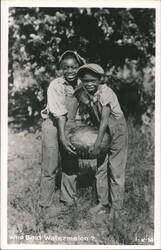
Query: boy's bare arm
[61, 127]
[102, 129]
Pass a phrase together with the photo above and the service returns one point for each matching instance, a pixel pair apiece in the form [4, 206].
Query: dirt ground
[74, 225]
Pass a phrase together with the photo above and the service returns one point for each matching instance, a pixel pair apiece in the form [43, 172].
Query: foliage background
[121, 40]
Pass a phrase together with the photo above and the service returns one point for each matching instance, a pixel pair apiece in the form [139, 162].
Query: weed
[134, 224]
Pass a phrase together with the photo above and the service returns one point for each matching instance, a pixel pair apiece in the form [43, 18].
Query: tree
[121, 40]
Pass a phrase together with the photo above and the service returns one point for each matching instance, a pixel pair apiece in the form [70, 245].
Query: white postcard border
[4, 111]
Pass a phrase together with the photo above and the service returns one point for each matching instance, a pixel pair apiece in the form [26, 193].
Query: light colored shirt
[106, 96]
[57, 92]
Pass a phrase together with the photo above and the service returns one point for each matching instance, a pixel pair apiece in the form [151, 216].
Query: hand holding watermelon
[83, 138]
[95, 150]
[68, 146]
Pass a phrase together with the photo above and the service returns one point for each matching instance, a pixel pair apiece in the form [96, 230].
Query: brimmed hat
[92, 67]
[79, 59]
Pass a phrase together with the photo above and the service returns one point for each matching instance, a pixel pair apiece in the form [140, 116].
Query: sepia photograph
[81, 116]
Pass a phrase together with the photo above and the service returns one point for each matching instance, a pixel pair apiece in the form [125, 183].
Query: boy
[105, 112]
[61, 107]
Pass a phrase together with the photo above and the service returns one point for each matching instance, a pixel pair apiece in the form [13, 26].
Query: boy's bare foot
[99, 209]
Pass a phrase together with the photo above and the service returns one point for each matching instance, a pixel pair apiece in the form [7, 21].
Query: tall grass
[134, 224]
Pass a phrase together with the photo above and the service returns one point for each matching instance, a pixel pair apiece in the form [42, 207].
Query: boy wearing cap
[61, 108]
[107, 115]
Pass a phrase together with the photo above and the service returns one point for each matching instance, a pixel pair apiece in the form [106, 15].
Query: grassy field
[73, 225]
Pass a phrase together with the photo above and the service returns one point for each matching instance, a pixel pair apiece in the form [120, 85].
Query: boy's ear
[104, 79]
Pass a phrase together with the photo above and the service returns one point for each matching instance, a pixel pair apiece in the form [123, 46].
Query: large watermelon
[83, 137]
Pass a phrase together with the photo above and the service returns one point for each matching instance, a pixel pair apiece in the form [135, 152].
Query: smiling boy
[102, 105]
[61, 109]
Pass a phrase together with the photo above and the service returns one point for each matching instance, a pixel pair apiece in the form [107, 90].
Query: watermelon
[83, 137]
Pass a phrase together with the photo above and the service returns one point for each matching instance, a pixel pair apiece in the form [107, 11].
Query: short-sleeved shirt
[57, 94]
[106, 96]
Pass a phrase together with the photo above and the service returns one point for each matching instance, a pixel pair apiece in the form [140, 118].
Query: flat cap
[92, 67]
[79, 59]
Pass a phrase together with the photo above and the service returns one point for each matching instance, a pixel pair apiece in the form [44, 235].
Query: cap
[79, 59]
[92, 67]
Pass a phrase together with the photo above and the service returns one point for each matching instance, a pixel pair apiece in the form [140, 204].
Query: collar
[68, 84]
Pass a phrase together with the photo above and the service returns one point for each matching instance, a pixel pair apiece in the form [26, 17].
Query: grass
[27, 225]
